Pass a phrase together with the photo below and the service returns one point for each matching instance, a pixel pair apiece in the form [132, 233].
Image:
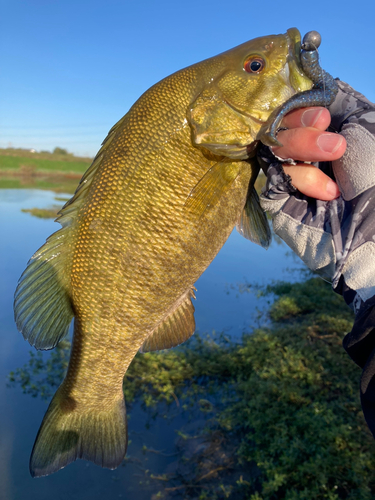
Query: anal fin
[175, 328]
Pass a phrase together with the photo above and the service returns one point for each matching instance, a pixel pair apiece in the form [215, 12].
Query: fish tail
[67, 434]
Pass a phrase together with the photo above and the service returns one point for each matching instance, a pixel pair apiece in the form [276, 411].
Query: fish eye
[254, 65]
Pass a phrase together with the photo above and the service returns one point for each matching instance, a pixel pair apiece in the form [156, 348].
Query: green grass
[58, 172]
[40, 164]
[10, 183]
[43, 213]
[25, 153]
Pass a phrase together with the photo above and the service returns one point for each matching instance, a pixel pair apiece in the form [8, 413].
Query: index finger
[317, 117]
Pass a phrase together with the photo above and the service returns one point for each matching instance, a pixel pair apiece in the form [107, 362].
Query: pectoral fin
[253, 224]
[176, 328]
[211, 187]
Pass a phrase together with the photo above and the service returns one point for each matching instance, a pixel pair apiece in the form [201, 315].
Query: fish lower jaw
[234, 151]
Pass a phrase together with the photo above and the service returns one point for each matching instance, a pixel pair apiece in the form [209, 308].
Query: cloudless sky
[69, 69]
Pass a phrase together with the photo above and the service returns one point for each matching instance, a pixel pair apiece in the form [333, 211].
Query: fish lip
[233, 151]
[293, 37]
[220, 145]
[299, 82]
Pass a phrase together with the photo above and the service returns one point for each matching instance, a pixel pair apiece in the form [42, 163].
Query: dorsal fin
[74, 204]
[176, 327]
[42, 306]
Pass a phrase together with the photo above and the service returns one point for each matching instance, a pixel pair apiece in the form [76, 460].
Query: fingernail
[329, 143]
[310, 117]
[332, 188]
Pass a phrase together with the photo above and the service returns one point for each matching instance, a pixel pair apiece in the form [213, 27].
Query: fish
[172, 179]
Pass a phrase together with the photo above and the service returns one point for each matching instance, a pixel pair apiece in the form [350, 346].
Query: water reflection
[155, 448]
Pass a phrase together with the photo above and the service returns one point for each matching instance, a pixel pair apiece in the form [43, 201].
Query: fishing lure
[323, 92]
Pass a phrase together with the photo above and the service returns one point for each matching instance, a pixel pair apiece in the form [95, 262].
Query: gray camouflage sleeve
[337, 238]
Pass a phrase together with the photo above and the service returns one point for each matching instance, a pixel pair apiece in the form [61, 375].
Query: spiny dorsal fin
[211, 187]
[176, 328]
[42, 306]
[75, 203]
[253, 223]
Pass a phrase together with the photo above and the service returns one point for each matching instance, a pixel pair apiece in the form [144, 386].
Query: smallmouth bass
[172, 179]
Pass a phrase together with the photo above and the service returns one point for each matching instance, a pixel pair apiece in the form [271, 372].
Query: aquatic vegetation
[276, 416]
[43, 213]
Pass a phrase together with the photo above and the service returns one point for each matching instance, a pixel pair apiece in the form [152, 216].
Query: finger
[316, 117]
[312, 182]
[310, 144]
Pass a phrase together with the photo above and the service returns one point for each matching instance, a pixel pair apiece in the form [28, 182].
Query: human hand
[307, 140]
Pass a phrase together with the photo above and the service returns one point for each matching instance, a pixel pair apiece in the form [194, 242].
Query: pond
[219, 307]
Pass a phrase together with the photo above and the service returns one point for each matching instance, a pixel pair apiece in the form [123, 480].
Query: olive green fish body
[172, 179]
[152, 248]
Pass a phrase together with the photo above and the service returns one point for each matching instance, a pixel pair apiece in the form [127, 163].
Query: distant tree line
[60, 151]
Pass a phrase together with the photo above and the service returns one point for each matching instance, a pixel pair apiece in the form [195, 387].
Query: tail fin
[67, 434]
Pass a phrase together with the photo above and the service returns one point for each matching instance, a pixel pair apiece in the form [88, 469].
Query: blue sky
[70, 69]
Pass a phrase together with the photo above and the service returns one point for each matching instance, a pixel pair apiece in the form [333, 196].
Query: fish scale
[171, 180]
